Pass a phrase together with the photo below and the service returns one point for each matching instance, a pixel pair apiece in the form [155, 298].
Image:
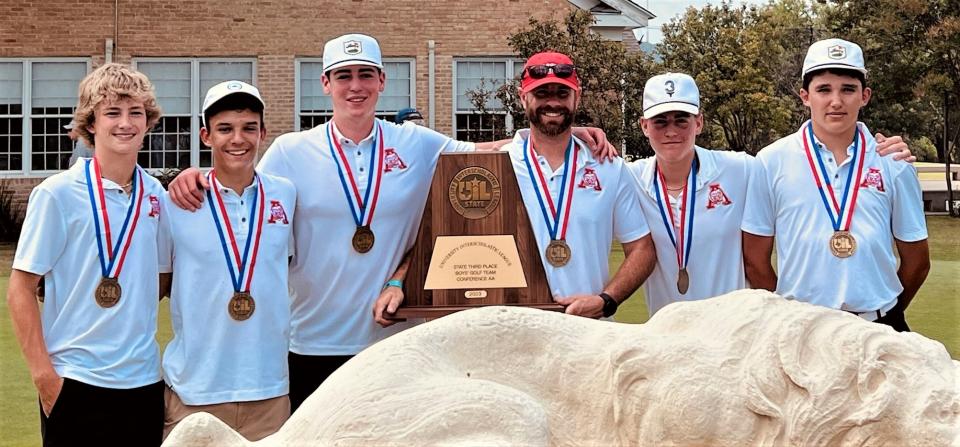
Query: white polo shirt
[784, 200]
[715, 264]
[106, 347]
[213, 358]
[599, 215]
[332, 286]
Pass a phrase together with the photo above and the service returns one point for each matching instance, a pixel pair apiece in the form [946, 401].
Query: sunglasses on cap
[562, 71]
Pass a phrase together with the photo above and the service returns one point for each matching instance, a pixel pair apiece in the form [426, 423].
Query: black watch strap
[609, 304]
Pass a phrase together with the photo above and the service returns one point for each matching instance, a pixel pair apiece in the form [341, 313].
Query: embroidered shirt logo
[277, 214]
[716, 197]
[873, 179]
[392, 160]
[590, 180]
[154, 206]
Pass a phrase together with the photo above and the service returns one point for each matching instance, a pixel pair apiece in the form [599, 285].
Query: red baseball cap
[548, 58]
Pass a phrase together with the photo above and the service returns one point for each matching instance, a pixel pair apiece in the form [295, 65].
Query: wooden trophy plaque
[475, 246]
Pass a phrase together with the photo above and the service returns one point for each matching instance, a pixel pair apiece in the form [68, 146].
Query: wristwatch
[609, 304]
[394, 283]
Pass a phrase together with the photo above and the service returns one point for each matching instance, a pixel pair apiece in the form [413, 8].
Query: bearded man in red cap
[577, 206]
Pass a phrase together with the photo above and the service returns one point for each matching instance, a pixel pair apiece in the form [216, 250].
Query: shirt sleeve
[758, 213]
[629, 223]
[44, 235]
[909, 224]
[165, 237]
[273, 161]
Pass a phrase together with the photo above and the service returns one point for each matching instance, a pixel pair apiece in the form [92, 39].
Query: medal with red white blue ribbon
[555, 214]
[682, 239]
[242, 304]
[361, 208]
[112, 256]
[842, 242]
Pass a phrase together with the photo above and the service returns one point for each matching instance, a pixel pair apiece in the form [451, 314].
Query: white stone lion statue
[746, 368]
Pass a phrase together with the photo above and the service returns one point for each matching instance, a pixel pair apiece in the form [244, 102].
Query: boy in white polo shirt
[91, 233]
[836, 207]
[228, 298]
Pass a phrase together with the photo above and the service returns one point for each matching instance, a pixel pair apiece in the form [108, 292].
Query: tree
[604, 68]
[735, 55]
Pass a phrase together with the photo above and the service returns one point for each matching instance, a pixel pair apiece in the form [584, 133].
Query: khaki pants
[254, 420]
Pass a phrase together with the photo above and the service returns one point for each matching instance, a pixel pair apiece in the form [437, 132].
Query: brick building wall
[275, 33]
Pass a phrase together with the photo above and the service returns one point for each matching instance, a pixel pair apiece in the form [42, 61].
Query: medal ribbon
[559, 216]
[112, 256]
[240, 275]
[841, 215]
[682, 241]
[362, 214]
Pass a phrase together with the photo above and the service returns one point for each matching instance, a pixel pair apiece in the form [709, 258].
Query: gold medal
[683, 282]
[241, 306]
[363, 239]
[108, 292]
[842, 244]
[558, 253]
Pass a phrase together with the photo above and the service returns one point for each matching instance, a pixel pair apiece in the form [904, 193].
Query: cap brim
[203, 112]
[831, 65]
[676, 106]
[549, 80]
[350, 62]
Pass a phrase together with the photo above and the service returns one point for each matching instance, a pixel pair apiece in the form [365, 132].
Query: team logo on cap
[590, 180]
[154, 206]
[670, 88]
[717, 197]
[277, 214]
[352, 47]
[837, 52]
[873, 180]
[234, 86]
[392, 161]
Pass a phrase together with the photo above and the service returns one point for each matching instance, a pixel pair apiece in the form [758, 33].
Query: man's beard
[550, 129]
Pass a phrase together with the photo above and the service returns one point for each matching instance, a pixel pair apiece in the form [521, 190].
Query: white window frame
[26, 64]
[509, 73]
[196, 96]
[296, 84]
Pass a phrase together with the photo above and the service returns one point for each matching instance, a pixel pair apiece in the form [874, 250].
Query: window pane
[171, 81]
[213, 73]
[312, 99]
[167, 145]
[470, 75]
[11, 143]
[396, 94]
[11, 86]
[51, 145]
[54, 85]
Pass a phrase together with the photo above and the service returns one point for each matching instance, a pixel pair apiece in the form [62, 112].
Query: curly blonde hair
[113, 82]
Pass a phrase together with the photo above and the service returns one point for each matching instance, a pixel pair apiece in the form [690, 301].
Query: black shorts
[90, 415]
[307, 372]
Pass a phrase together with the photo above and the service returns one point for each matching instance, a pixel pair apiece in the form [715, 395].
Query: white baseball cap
[351, 49]
[833, 53]
[227, 88]
[670, 92]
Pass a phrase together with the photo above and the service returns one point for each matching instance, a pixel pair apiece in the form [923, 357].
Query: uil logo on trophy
[474, 192]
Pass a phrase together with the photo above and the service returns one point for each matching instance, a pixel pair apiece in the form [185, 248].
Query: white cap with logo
[833, 53]
[227, 88]
[351, 49]
[670, 92]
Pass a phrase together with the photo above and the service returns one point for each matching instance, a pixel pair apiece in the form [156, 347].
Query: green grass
[934, 313]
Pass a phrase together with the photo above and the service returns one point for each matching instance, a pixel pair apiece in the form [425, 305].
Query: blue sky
[665, 10]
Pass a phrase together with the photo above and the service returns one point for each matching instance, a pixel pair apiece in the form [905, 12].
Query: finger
[563, 301]
[394, 303]
[204, 183]
[879, 137]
